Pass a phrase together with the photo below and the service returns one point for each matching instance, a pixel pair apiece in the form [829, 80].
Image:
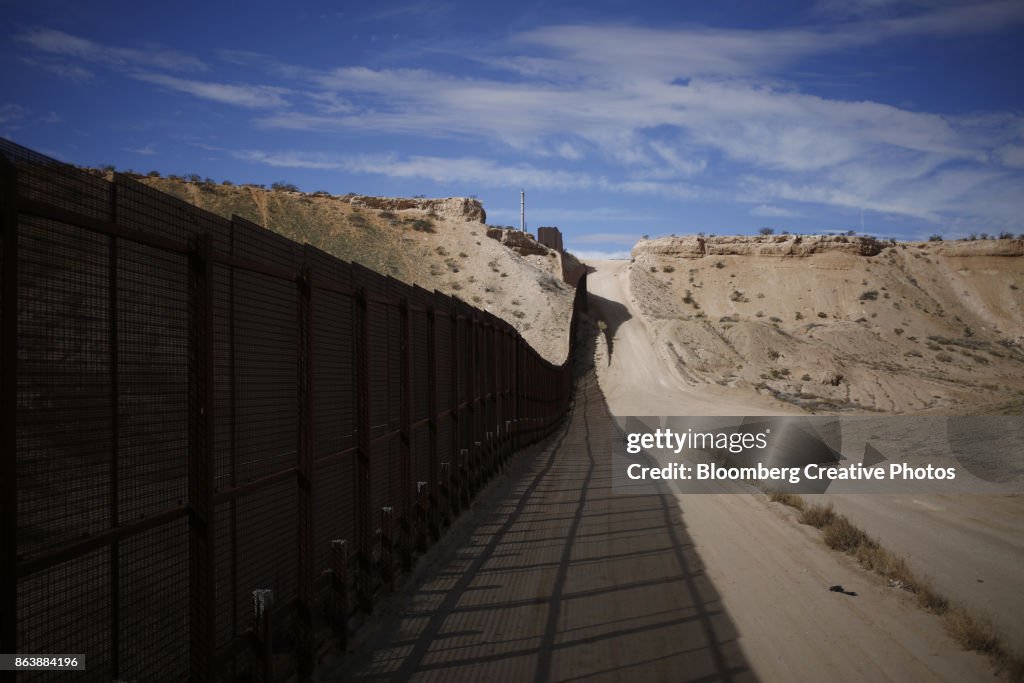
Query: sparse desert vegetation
[872, 303]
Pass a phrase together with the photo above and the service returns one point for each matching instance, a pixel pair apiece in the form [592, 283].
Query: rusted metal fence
[218, 443]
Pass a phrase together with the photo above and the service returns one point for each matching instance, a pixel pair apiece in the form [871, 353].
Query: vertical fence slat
[404, 462]
[473, 398]
[364, 500]
[432, 425]
[304, 646]
[202, 632]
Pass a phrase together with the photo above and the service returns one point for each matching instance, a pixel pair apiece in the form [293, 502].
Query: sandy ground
[638, 379]
[555, 576]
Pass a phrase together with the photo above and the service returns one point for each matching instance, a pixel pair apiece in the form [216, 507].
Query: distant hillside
[842, 323]
[435, 243]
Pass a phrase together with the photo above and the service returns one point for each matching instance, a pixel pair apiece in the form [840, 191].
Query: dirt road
[640, 380]
[555, 576]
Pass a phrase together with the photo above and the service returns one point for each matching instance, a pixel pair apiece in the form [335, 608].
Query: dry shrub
[840, 534]
[883, 562]
[931, 600]
[790, 499]
[971, 632]
[817, 515]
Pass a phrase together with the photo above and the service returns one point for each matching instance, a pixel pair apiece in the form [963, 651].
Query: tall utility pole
[522, 210]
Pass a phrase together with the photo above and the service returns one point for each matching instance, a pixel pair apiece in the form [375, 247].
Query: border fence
[219, 444]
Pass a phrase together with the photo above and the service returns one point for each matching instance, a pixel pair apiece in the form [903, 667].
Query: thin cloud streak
[595, 255]
[471, 171]
[57, 42]
[247, 96]
[767, 211]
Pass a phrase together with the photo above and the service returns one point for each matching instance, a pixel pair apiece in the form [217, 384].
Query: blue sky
[618, 119]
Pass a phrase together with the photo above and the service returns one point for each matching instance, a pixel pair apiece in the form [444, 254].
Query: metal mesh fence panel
[65, 608]
[152, 619]
[152, 380]
[64, 386]
[198, 408]
[267, 547]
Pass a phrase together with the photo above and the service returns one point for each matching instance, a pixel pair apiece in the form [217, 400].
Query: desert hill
[435, 243]
[836, 323]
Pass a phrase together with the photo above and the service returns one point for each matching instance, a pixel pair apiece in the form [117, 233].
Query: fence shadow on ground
[559, 578]
[613, 315]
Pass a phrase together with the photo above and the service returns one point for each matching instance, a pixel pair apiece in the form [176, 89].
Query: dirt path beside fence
[558, 577]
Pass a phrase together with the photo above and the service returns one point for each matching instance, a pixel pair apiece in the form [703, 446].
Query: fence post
[432, 524]
[339, 590]
[484, 423]
[387, 547]
[404, 456]
[200, 467]
[520, 424]
[364, 519]
[446, 494]
[263, 629]
[422, 512]
[494, 418]
[9, 405]
[472, 398]
[510, 388]
[304, 637]
[454, 477]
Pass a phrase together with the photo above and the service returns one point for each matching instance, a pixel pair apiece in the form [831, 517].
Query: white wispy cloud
[1012, 155]
[421, 9]
[62, 69]
[56, 42]
[317, 162]
[597, 214]
[769, 211]
[12, 112]
[145, 150]
[596, 255]
[606, 238]
[248, 96]
[470, 171]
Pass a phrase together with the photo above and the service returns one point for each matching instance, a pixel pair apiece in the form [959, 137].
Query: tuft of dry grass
[971, 632]
[817, 516]
[887, 565]
[790, 499]
[841, 534]
[930, 600]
